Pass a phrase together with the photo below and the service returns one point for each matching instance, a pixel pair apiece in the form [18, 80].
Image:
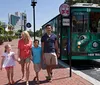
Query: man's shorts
[50, 58]
[37, 67]
[27, 60]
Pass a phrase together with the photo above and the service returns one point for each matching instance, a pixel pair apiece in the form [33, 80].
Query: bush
[9, 38]
[1, 40]
[5, 38]
[14, 37]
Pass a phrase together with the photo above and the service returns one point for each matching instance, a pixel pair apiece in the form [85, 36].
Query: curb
[83, 75]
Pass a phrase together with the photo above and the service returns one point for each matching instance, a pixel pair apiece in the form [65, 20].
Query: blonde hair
[6, 46]
[26, 36]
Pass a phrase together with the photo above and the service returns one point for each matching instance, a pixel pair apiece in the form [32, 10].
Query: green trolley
[84, 32]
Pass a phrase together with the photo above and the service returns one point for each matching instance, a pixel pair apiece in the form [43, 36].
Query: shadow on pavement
[57, 67]
[34, 83]
[30, 82]
[61, 78]
[24, 83]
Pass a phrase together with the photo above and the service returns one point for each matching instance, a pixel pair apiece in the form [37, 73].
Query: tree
[1, 30]
[31, 33]
[3, 25]
[10, 27]
[39, 33]
[10, 32]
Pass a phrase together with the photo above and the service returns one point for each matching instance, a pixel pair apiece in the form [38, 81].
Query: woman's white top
[8, 59]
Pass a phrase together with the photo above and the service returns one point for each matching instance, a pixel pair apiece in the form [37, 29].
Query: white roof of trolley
[85, 5]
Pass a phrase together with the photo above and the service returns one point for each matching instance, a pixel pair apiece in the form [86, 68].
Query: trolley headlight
[79, 43]
[95, 44]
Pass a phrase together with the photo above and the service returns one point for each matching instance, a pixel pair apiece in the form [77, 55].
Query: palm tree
[1, 30]
[4, 25]
[10, 27]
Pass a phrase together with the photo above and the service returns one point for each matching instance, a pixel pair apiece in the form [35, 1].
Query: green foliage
[4, 25]
[1, 40]
[1, 30]
[17, 33]
[38, 33]
[15, 37]
[10, 38]
[31, 33]
[0, 23]
[10, 32]
[5, 38]
[6, 35]
[10, 27]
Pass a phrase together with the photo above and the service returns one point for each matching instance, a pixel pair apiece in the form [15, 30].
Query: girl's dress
[8, 59]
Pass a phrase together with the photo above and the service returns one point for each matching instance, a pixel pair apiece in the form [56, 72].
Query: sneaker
[48, 78]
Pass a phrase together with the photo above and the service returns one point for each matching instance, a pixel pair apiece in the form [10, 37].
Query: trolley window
[79, 22]
[95, 22]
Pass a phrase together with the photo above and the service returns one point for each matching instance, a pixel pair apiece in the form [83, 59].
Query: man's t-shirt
[36, 54]
[49, 42]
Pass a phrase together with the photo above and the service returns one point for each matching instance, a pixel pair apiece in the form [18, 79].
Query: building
[23, 18]
[18, 21]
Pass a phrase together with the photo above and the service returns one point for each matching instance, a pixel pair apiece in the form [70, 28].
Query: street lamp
[24, 21]
[33, 3]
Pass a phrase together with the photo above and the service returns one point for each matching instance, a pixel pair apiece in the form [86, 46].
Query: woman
[24, 53]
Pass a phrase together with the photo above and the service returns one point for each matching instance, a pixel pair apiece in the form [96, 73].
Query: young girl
[8, 62]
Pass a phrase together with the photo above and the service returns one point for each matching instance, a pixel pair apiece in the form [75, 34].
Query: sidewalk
[60, 74]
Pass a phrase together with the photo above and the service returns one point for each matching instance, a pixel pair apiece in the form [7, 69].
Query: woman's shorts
[27, 60]
[37, 67]
[50, 58]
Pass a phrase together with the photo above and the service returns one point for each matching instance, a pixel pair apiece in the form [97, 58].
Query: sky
[45, 10]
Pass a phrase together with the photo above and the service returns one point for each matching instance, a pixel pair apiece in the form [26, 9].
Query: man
[49, 50]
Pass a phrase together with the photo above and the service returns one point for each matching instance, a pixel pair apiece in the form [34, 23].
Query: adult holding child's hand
[24, 54]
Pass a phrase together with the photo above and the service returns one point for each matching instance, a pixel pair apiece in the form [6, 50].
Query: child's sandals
[51, 74]
[12, 82]
[37, 82]
[27, 83]
[35, 79]
[9, 83]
